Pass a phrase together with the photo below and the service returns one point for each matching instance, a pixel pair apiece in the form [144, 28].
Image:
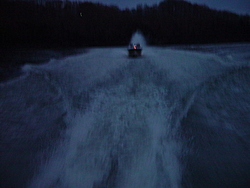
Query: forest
[83, 24]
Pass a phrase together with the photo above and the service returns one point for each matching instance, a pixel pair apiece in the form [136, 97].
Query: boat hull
[134, 52]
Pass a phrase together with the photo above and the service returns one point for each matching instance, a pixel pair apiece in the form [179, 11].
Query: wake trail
[123, 118]
[123, 138]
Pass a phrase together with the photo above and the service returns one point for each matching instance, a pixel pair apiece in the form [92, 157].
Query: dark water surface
[11, 59]
[174, 118]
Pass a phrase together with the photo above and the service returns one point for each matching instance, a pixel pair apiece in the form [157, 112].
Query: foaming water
[123, 139]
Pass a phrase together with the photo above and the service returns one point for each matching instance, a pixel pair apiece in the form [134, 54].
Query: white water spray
[138, 38]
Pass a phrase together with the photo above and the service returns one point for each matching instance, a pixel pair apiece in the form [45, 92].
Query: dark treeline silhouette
[76, 24]
[57, 23]
[176, 22]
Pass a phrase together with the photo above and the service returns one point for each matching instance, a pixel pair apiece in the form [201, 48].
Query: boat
[134, 50]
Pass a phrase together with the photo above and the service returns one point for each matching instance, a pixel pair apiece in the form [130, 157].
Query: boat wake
[122, 138]
[172, 118]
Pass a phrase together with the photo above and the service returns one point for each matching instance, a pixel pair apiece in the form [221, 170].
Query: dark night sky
[236, 6]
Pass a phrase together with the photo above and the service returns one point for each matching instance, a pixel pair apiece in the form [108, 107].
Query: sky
[236, 6]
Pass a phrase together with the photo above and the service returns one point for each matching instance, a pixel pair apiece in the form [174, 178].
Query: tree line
[79, 24]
